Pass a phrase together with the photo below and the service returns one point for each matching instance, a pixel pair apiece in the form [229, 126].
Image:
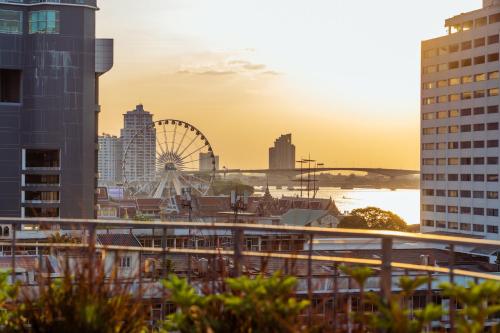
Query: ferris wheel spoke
[175, 134]
[193, 152]
[160, 145]
[201, 179]
[189, 145]
[182, 140]
[165, 135]
[191, 184]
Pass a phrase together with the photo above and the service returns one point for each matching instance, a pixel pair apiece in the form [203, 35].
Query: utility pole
[301, 162]
[308, 161]
[238, 203]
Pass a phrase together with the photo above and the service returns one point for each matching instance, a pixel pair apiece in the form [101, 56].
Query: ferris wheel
[166, 159]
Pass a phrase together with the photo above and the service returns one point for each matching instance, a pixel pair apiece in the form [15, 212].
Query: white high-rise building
[205, 162]
[460, 126]
[282, 154]
[109, 160]
[139, 145]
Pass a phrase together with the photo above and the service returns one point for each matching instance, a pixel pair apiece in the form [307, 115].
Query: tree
[379, 219]
[353, 222]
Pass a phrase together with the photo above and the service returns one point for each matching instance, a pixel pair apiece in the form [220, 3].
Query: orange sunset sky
[341, 75]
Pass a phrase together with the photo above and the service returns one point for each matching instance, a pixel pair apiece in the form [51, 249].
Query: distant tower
[141, 153]
[205, 162]
[110, 160]
[282, 155]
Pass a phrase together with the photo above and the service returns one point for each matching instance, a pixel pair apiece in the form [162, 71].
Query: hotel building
[460, 126]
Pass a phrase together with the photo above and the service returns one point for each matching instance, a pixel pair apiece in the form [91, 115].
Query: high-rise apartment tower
[110, 160]
[460, 126]
[282, 155]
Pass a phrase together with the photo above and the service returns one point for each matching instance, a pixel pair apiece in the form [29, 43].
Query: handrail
[291, 256]
[334, 232]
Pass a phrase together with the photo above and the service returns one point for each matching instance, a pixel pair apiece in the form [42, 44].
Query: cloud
[207, 72]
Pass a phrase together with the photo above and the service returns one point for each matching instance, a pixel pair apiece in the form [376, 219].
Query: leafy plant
[263, 305]
[477, 303]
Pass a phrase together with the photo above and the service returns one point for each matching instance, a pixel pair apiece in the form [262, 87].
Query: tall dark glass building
[50, 63]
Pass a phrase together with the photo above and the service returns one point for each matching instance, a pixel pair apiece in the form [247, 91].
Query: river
[405, 203]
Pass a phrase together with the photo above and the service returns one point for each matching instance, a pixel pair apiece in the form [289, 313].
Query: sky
[341, 75]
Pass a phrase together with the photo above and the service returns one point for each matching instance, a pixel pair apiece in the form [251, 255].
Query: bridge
[298, 171]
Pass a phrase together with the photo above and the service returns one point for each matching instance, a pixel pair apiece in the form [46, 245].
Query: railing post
[189, 268]
[386, 271]
[309, 278]
[164, 252]
[13, 253]
[452, 280]
[237, 246]
[91, 244]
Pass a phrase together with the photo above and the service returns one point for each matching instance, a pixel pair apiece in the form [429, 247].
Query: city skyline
[182, 63]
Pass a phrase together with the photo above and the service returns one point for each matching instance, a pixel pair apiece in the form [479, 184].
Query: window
[465, 128]
[428, 85]
[453, 194]
[493, 92]
[442, 130]
[428, 192]
[493, 75]
[467, 79]
[465, 210]
[492, 126]
[492, 160]
[478, 211]
[41, 196]
[454, 81]
[430, 69]
[492, 229]
[440, 209]
[442, 83]
[479, 94]
[492, 178]
[453, 209]
[492, 57]
[442, 114]
[441, 161]
[480, 77]
[442, 99]
[492, 195]
[478, 42]
[42, 158]
[493, 109]
[453, 65]
[453, 161]
[430, 53]
[465, 145]
[442, 145]
[454, 97]
[493, 39]
[478, 195]
[454, 113]
[10, 86]
[429, 130]
[453, 177]
[478, 160]
[428, 208]
[11, 22]
[466, 62]
[491, 212]
[41, 212]
[466, 45]
[478, 127]
[440, 193]
[442, 67]
[428, 116]
[125, 262]
[465, 112]
[440, 177]
[465, 194]
[31, 180]
[440, 224]
[428, 161]
[453, 129]
[492, 143]
[479, 178]
[429, 100]
[44, 21]
[478, 228]
[467, 25]
[465, 177]
[465, 226]
[452, 225]
[481, 22]
[479, 144]
[494, 18]
[465, 161]
[428, 223]
[479, 60]
[478, 111]
[428, 146]
[428, 176]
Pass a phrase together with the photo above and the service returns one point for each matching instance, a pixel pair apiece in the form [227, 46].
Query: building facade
[460, 126]
[206, 162]
[50, 63]
[282, 155]
[138, 138]
[110, 160]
